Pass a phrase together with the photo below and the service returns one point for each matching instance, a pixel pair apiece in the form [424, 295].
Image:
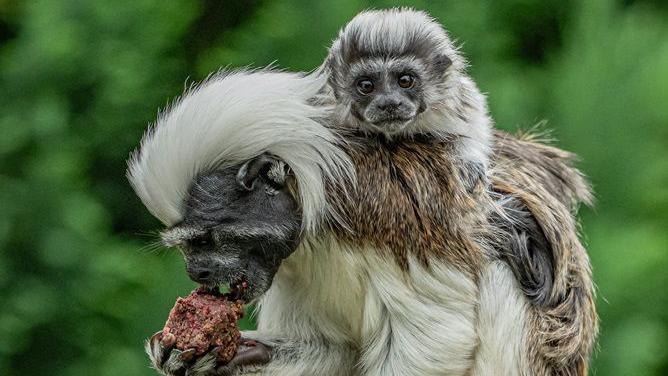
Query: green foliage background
[80, 81]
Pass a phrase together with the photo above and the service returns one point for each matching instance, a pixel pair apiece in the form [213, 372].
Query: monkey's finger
[174, 364]
[155, 338]
[227, 370]
[168, 340]
[156, 352]
[188, 355]
[206, 365]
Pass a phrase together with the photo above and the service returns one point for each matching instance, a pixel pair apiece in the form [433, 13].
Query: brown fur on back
[409, 199]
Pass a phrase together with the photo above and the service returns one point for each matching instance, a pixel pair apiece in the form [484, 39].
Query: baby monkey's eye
[406, 81]
[365, 86]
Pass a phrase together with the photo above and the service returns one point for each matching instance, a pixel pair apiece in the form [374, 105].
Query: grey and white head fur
[214, 169]
[397, 73]
[231, 118]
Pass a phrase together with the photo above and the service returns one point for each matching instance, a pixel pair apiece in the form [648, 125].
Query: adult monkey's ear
[264, 167]
[440, 63]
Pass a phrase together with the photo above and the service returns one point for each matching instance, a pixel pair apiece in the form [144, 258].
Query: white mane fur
[228, 119]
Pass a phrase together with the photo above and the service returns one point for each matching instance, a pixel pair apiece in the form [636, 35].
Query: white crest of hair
[232, 117]
[455, 106]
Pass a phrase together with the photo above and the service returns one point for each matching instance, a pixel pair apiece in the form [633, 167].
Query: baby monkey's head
[389, 68]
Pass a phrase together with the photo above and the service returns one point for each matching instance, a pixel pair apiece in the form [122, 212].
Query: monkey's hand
[169, 361]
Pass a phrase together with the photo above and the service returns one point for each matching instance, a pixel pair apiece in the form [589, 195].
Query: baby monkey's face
[386, 95]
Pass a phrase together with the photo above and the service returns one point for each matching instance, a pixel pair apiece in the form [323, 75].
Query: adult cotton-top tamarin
[424, 250]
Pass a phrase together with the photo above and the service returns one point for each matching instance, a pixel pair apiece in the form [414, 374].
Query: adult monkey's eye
[365, 86]
[203, 240]
[406, 81]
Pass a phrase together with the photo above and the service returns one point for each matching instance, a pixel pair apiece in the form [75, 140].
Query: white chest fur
[415, 322]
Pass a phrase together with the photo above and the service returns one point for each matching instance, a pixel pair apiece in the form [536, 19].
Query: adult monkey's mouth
[236, 290]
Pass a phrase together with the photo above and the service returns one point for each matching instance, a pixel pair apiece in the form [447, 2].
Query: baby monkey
[395, 73]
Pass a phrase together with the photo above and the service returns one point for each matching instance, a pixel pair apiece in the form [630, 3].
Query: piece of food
[203, 320]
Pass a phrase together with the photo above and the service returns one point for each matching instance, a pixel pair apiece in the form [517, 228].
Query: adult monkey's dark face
[239, 224]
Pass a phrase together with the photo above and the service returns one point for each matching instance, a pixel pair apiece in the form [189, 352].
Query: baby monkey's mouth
[392, 120]
[391, 124]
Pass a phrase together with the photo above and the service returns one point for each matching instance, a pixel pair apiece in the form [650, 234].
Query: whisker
[153, 247]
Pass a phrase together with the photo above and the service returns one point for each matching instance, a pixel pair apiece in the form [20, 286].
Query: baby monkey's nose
[389, 105]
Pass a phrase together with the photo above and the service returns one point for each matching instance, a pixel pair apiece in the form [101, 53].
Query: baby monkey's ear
[264, 167]
[440, 63]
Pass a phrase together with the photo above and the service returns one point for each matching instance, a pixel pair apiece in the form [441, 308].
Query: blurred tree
[80, 81]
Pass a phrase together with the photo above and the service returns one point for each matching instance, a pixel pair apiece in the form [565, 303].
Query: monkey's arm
[260, 354]
[315, 356]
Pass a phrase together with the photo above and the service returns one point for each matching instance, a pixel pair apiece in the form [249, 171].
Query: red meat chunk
[203, 320]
